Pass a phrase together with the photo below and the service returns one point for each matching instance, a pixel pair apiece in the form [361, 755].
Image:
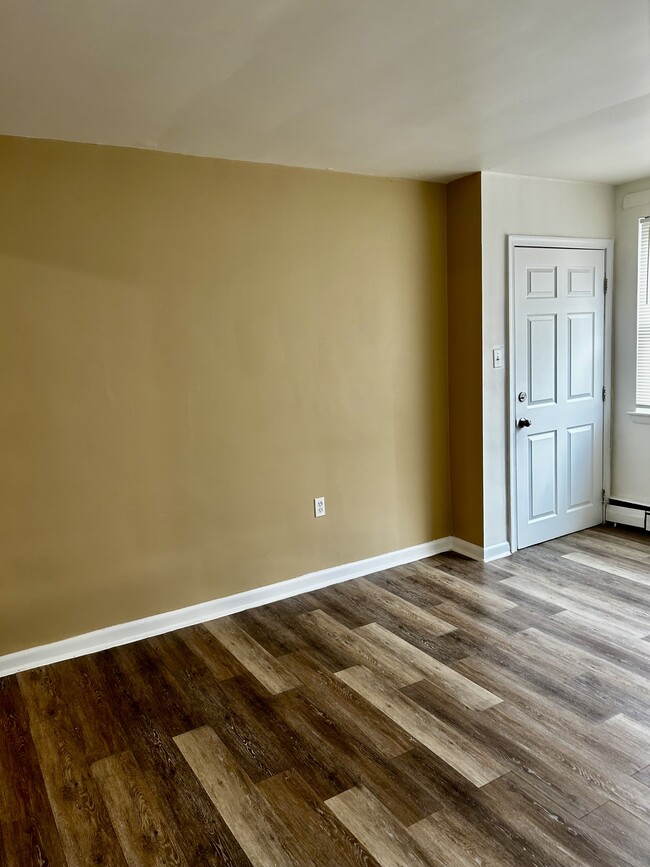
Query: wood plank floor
[442, 713]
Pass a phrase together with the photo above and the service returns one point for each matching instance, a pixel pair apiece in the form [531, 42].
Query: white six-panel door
[558, 379]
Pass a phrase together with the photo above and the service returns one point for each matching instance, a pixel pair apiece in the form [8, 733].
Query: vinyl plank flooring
[618, 699]
[377, 829]
[79, 692]
[454, 564]
[582, 661]
[500, 734]
[453, 840]
[135, 814]
[356, 649]
[629, 653]
[346, 707]
[408, 583]
[326, 839]
[16, 750]
[484, 630]
[234, 707]
[275, 633]
[252, 656]
[549, 677]
[150, 686]
[358, 605]
[28, 833]
[596, 542]
[30, 843]
[464, 801]
[614, 828]
[425, 727]
[643, 776]
[205, 838]
[346, 603]
[542, 562]
[571, 643]
[335, 757]
[578, 600]
[468, 806]
[468, 593]
[619, 729]
[389, 645]
[621, 752]
[635, 573]
[203, 644]
[446, 712]
[396, 606]
[594, 585]
[608, 627]
[85, 831]
[322, 756]
[529, 816]
[263, 837]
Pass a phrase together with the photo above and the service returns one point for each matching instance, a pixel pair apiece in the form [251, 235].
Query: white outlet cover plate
[319, 507]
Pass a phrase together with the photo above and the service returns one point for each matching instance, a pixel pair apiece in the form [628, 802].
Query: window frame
[642, 341]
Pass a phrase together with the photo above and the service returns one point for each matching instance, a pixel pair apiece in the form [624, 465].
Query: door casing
[607, 245]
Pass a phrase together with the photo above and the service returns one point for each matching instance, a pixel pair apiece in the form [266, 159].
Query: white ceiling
[413, 88]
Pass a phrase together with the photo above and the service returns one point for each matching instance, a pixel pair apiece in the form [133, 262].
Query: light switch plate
[497, 356]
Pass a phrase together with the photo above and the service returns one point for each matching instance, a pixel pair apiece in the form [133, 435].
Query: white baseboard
[125, 633]
[475, 552]
[496, 552]
[467, 549]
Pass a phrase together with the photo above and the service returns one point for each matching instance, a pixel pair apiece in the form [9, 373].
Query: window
[643, 320]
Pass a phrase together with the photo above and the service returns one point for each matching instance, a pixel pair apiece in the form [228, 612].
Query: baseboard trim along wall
[475, 552]
[158, 624]
[467, 549]
[496, 552]
[125, 633]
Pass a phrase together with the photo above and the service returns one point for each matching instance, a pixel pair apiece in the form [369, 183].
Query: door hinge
[603, 499]
[605, 285]
[604, 393]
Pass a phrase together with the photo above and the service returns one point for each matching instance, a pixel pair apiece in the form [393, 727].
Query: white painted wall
[517, 205]
[631, 442]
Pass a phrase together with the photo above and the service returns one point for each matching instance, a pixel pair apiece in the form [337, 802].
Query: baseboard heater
[631, 514]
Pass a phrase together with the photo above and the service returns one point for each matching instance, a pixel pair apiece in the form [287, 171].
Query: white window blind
[643, 320]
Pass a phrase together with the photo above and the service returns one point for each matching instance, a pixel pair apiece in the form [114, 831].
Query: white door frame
[576, 243]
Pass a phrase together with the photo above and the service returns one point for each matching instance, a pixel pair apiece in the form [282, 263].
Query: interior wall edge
[465, 337]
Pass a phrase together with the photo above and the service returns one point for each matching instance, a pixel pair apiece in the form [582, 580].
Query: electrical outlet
[319, 507]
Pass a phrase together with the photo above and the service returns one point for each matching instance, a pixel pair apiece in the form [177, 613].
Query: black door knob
[524, 422]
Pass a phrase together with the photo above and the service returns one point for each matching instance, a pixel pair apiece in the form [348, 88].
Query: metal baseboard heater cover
[630, 514]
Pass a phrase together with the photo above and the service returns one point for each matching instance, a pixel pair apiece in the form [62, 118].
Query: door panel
[542, 359]
[580, 456]
[581, 356]
[542, 282]
[559, 374]
[582, 282]
[542, 468]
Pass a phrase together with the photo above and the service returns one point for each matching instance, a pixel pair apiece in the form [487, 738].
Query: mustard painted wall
[192, 350]
[465, 302]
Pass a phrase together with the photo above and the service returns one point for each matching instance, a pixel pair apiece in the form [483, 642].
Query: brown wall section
[192, 350]
[465, 304]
